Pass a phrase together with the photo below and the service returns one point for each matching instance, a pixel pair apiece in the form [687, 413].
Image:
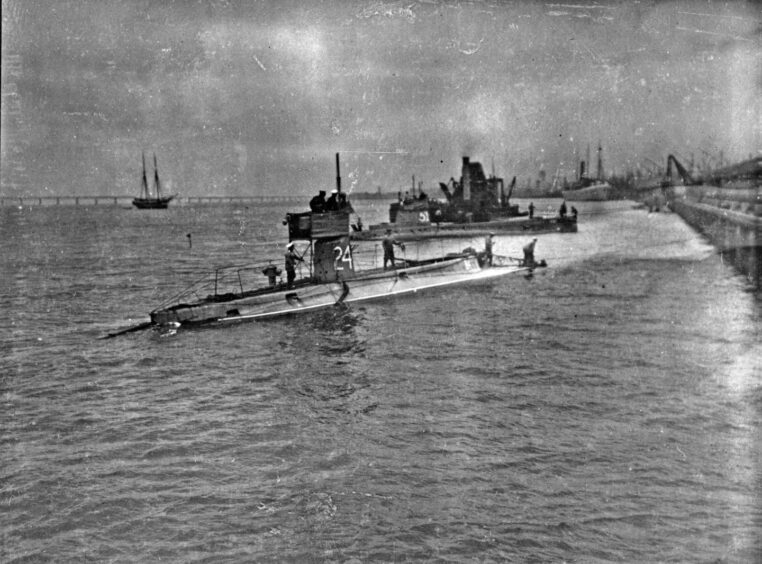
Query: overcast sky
[250, 97]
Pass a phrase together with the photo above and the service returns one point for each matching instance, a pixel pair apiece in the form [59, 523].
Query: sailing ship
[146, 200]
[335, 271]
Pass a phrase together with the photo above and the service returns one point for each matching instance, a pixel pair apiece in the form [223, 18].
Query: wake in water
[605, 409]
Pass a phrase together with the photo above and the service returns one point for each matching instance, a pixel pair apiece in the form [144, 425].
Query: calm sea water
[606, 409]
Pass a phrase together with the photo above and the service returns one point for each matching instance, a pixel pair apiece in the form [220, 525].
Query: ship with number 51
[473, 205]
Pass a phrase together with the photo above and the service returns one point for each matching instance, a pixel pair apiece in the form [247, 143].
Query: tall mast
[600, 162]
[144, 188]
[338, 174]
[156, 177]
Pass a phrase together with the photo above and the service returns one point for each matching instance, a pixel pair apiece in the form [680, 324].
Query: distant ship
[146, 201]
[475, 205]
[594, 191]
[588, 189]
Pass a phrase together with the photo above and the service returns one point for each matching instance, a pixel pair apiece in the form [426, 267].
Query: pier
[727, 209]
[101, 200]
[63, 200]
[107, 200]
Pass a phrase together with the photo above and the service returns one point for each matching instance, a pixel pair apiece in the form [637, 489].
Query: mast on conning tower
[338, 175]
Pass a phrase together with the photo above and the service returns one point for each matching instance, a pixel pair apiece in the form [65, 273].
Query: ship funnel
[466, 179]
[599, 172]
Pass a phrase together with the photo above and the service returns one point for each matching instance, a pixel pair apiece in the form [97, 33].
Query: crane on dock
[681, 171]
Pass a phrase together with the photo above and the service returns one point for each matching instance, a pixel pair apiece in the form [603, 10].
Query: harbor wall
[731, 218]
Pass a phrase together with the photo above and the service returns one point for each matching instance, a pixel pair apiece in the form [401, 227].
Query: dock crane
[681, 171]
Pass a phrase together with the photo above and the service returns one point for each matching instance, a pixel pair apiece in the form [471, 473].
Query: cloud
[304, 44]
[258, 83]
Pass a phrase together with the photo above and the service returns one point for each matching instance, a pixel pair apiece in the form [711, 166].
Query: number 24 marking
[342, 255]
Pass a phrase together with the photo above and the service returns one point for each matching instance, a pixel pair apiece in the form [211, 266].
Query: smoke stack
[600, 162]
[466, 179]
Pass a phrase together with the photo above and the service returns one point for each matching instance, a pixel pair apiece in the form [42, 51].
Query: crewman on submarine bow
[272, 272]
[388, 244]
[291, 259]
[529, 253]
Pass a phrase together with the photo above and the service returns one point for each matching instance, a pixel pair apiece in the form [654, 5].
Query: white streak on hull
[399, 287]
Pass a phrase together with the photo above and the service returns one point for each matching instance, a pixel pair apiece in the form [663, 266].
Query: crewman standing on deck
[529, 253]
[388, 244]
[488, 248]
[291, 259]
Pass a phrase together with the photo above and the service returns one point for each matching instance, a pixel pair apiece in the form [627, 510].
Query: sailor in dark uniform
[332, 204]
[317, 204]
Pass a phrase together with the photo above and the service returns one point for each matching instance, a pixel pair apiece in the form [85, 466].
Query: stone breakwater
[730, 217]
